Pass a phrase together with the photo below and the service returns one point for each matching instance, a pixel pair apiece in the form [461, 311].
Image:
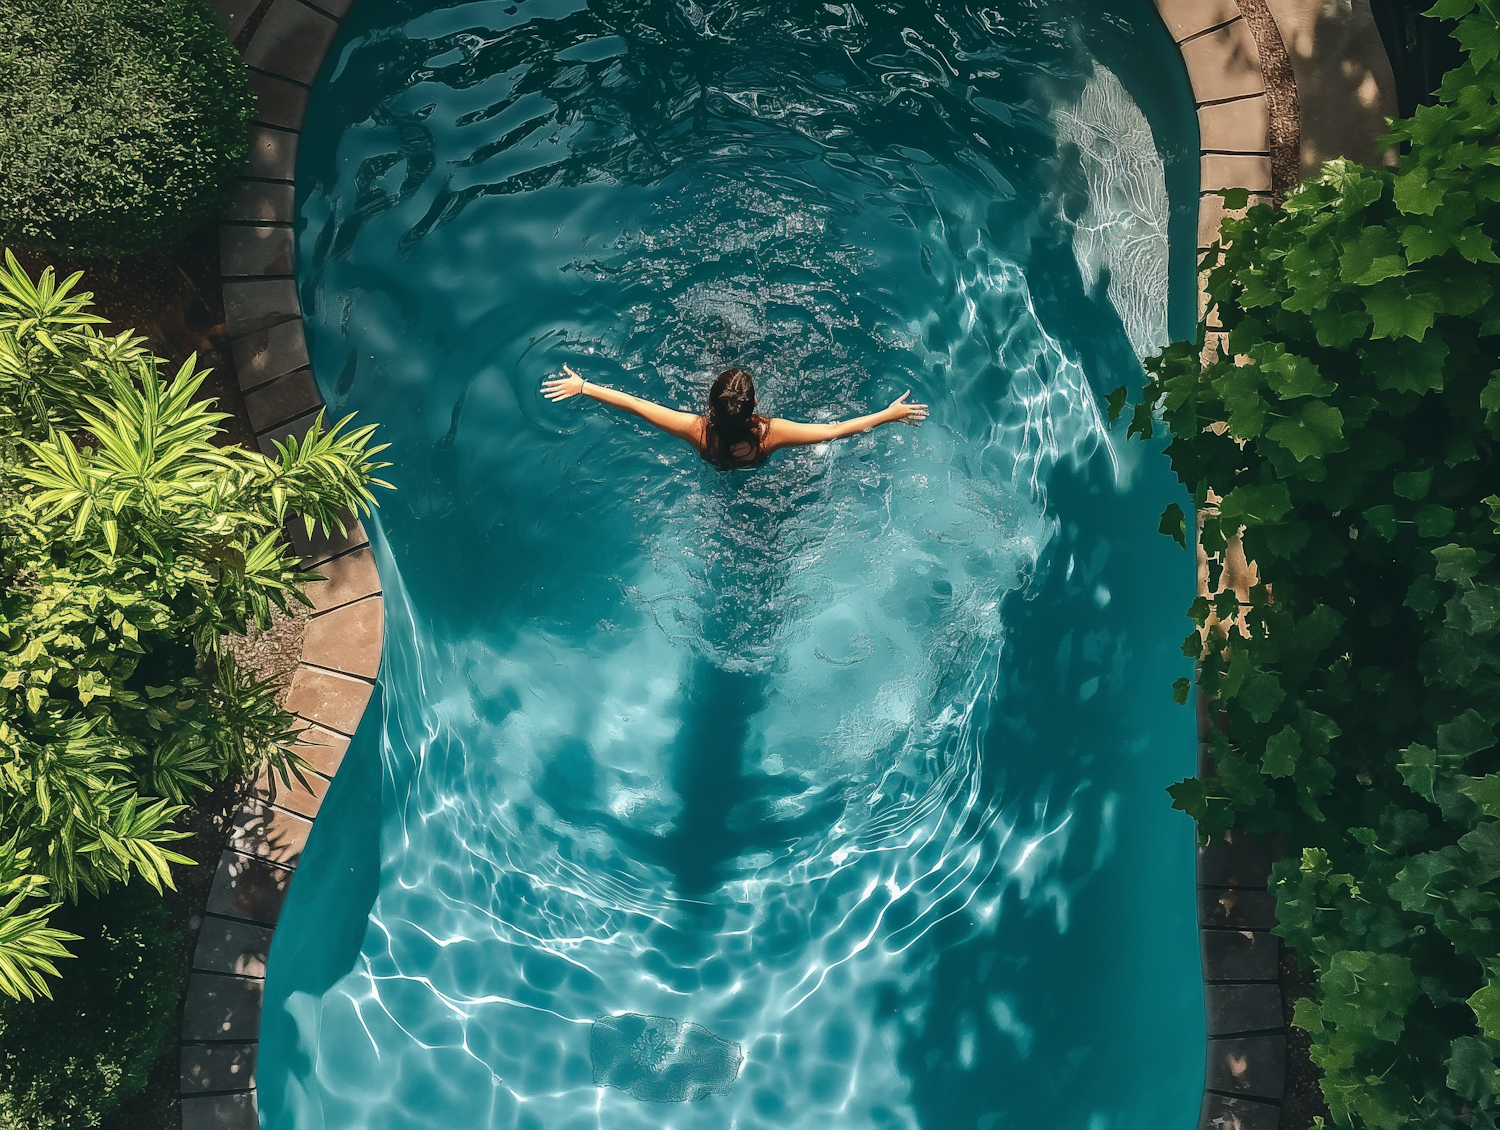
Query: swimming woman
[731, 433]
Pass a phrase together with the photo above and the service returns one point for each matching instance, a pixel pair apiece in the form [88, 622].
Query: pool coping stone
[232, 1110]
[335, 675]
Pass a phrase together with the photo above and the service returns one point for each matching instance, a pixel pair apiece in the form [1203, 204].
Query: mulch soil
[174, 300]
[1303, 1098]
[1281, 97]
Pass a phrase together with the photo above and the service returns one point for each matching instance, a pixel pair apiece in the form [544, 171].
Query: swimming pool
[848, 772]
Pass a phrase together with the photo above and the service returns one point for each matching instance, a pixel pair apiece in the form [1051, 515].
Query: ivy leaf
[1318, 730]
[1449, 657]
[1116, 403]
[1368, 993]
[1191, 796]
[1246, 336]
[1399, 311]
[1456, 563]
[1465, 736]
[1416, 194]
[1254, 506]
[1374, 255]
[1239, 389]
[1489, 400]
[1308, 1016]
[1315, 431]
[1450, 9]
[1413, 887]
[1480, 36]
[1424, 241]
[1418, 768]
[1485, 792]
[1471, 1069]
[1486, 1006]
[1482, 603]
[1336, 330]
[1413, 484]
[1289, 375]
[1174, 524]
[1282, 751]
[1382, 520]
[1260, 695]
[1475, 246]
[1433, 521]
[1180, 690]
[1483, 843]
[1405, 365]
[1239, 779]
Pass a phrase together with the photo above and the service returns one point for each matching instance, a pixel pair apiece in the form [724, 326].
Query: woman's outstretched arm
[789, 433]
[683, 425]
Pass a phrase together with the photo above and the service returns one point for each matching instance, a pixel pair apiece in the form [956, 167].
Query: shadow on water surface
[725, 811]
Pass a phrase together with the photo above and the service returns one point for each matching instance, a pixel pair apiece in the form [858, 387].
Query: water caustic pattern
[827, 795]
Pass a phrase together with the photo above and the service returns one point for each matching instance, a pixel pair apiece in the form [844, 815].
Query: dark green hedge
[123, 123]
[67, 1062]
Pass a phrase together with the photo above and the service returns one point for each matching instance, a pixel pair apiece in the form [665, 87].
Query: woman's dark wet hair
[732, 420]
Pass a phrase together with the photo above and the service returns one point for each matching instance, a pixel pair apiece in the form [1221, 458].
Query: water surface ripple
[854, 761]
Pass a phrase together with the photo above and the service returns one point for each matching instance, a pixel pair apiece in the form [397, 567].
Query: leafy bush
[1357, 696]
[123, 123]
[129, 546]
[69, 1061]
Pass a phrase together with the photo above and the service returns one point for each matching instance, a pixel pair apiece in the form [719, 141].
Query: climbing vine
[1344, 423]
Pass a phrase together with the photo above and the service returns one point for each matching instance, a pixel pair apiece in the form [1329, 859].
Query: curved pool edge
[1242, 128]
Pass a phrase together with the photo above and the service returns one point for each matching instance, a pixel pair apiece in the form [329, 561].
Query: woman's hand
[560, 388]
[901, 410]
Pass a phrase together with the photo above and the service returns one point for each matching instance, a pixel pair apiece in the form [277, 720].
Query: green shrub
[66, 1062]
[123, 123]
[130, 546]
[1357, 711]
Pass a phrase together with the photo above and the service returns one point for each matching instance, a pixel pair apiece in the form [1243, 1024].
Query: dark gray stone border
[288, 40]
[335, 679]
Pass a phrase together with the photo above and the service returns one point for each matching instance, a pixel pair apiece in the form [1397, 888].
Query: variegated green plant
[131, 547]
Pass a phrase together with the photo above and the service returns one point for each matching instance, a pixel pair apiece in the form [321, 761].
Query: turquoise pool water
[849, 770]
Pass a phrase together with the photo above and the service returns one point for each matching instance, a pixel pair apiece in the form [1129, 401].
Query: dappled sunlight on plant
[132, 549]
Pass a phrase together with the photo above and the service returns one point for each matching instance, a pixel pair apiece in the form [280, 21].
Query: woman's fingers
[556, 388]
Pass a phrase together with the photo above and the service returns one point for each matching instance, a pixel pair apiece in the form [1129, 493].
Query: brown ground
[1281, 97]
[174, 300]
[1304, 1098]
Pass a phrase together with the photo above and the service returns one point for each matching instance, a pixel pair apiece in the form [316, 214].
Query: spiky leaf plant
[131, 548]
